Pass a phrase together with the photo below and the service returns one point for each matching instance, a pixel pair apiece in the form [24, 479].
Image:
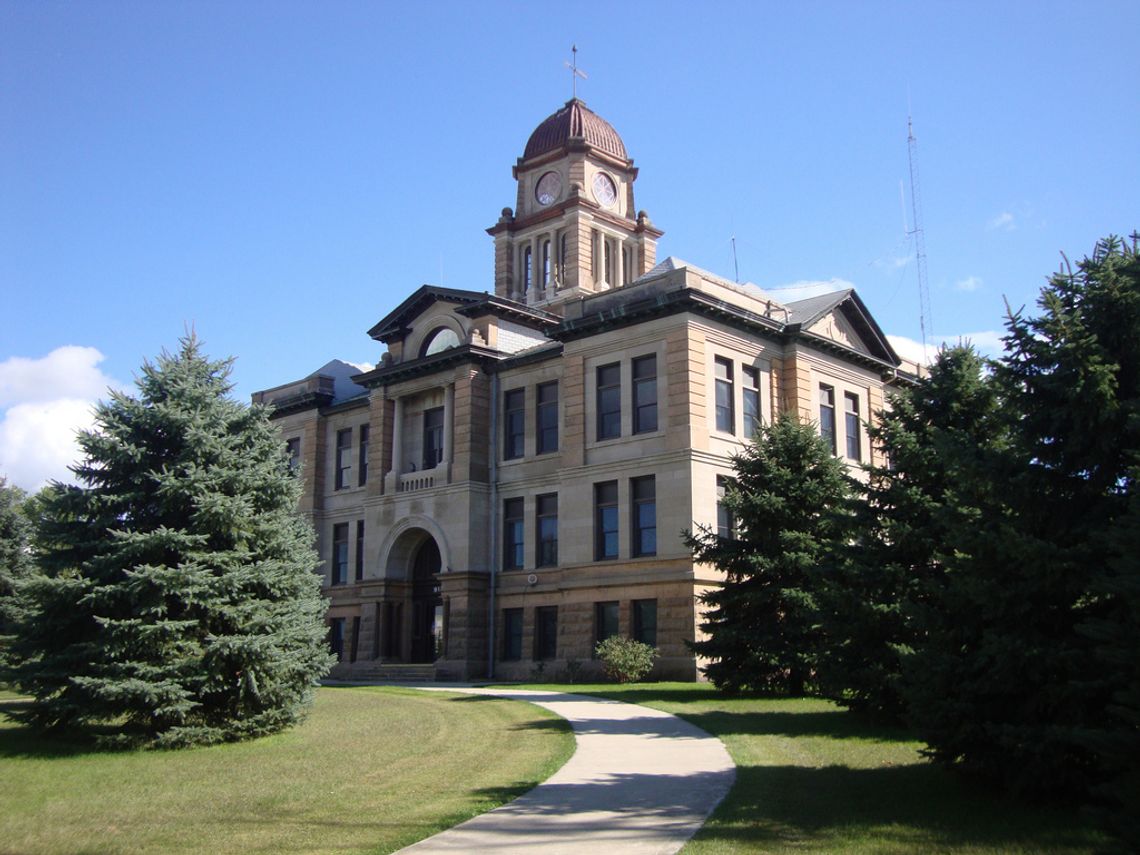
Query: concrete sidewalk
[640, 781]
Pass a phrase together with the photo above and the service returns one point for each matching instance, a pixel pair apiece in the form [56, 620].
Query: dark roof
[395, 324]
[574, 122]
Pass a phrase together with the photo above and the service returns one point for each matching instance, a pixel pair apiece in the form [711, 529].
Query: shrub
[624, 659]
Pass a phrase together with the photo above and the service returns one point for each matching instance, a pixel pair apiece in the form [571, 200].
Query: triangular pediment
[400, 321]
[842, 319]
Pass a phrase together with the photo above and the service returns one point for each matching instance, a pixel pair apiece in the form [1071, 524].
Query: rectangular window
[605, 520]
[609, 401]
[645, 621]
[343, 458]
[513, 534]
[546, 632]
[512, 634]
[643, 494]
[339, 570]
[514, 424]
[605, 620]
[293, 452]
[433, 437]
[645, 394]
[851, 413]
[355, 646]
[546, 418]
[359, 564]
[362, 460]
[336, 638]
[725, 417]
[546, 530]
[725, 524]
[827, 416]
[750, 381]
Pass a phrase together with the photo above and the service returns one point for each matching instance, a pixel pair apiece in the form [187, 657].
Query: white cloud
[1002, 222]
[986, 342]
[363, 366]
[894, 262]
[970, 283]
[46, 401]
[806, 288]
[67, 372]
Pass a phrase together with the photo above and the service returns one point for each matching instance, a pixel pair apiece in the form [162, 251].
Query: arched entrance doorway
[427, 605]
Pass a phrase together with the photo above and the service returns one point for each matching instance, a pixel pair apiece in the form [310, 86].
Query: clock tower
[573, 231]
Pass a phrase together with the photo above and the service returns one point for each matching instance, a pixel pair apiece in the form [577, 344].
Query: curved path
[640, 781]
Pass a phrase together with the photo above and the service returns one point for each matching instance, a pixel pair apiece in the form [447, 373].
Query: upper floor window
[343, 458]
[362, 458]
[527, 270]
[643, 494]
[606, 520]
[293, 452]
[724, 395]
[725, 524]
[338, 574]
[750, 381]
[545, 263]
[546, 417]
[433, 437]
[609, 401]
[513, 534]
[851, 425]
[546, 530]
[358, 565]
[514, 423]
[645, 394]
[441, 338]
[827, 416]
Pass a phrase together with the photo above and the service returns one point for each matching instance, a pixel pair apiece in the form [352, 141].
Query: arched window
[441, 338]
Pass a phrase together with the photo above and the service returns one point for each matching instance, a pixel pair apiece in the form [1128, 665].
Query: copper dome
[574, 121]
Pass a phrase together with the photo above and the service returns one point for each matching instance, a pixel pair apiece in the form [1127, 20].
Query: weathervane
[575, 72]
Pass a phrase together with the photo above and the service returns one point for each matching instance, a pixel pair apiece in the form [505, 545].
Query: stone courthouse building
[511, 483]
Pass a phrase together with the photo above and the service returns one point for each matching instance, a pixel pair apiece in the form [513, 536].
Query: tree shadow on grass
[908, 808]
[836, 724]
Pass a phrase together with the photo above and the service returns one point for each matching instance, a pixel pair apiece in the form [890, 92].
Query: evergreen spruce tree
[1007, 681]
[789, 502]
[178, 602]
[887, 579]
[15, 556]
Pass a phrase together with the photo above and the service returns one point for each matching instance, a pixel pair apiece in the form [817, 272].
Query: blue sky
[280, 175]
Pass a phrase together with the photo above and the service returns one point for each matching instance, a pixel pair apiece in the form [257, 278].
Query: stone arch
[403, 541]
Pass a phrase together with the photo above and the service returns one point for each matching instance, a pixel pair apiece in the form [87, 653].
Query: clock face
[548, 188]
[604, 190]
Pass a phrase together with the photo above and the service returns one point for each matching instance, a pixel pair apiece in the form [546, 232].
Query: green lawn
[371, 770]
[812, 778]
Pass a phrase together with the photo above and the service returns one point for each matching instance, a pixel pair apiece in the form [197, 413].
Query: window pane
[605, 620]
[645, 621]
[751, 401]
[512, 634]
[643, 491]
[724, 396]
[433, 437]
[609, 401]
[606, 520]
[546, 418]
[827, 415]
[546, 512]
[362, 462]
[514, 439]
[851, 407]
[513, 534]
[343, 458]
[546, 632]
[645, 394]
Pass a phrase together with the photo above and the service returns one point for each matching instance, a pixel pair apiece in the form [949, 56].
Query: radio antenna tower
[924, 321]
